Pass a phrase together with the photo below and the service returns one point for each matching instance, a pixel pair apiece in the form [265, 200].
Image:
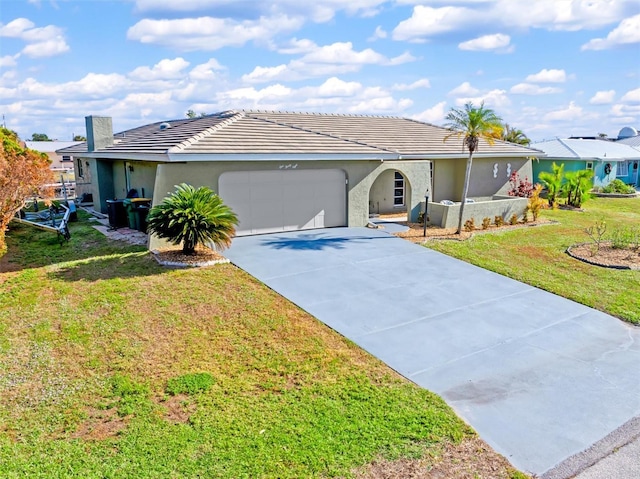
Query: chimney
[99, 132]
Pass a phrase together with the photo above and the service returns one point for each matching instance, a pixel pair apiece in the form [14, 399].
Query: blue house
[629, 136]
[608, 159]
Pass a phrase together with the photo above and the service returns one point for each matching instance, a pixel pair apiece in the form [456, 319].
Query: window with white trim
[589, 165]
[623, 168]
[67, 158]
[79, 169]
[398, 189]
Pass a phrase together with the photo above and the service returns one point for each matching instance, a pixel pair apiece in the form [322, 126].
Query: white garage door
[285, 200]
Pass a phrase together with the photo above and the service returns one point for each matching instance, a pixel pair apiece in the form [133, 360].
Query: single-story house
[62, 165]
[629, 136]
[284, 171]
[608, 159]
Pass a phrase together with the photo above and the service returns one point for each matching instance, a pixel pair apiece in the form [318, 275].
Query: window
[79, 170]
[589, 165]
[66, 158]
[398, 189]
[623, 168]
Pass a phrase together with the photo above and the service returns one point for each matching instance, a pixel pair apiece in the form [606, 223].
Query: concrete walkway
[539, 377]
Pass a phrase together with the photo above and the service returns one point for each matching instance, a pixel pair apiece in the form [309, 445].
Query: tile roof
[579, 148]
[262, 132]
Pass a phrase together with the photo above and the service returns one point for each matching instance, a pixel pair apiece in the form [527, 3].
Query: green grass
[94, 334]
[537, 256]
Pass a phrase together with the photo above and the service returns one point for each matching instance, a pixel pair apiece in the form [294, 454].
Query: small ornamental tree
[23, 174]
[193, 216]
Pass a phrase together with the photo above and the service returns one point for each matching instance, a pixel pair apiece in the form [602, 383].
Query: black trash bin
[142, 212]
[117, 214]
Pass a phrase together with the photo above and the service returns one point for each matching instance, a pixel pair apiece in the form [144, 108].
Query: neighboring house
[284, 171]
[62, 164]
[629, 136]
[608, 159]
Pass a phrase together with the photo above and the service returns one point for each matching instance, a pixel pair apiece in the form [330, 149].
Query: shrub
[618, 186]
[625, 238]
[470, 224]
[189, 384]
[535, 203]
[193, 216]
[486, 222]
[498, 220]
[513, 220]
[519, 187]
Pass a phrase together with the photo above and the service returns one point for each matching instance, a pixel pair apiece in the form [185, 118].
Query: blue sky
[553, 68]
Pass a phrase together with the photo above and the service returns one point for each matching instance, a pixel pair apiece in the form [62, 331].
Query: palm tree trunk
[465, 190]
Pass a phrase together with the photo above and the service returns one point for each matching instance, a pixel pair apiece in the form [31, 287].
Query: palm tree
[514, 135]
[552, 181]
[193, 216]
[472, 124]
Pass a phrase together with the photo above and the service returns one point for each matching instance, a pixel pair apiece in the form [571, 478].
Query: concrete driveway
[541, 378]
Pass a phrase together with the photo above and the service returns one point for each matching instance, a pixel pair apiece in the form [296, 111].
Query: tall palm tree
[193, 216]
[472, 124]
[515, 135]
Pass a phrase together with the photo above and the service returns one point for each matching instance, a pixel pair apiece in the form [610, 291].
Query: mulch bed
[606, 256]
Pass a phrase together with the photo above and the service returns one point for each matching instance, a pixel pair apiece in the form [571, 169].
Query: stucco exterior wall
[381, 196]
[361, 176]
[447, 216]
[489, 177]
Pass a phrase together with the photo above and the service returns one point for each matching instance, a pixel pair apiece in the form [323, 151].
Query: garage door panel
[285, 200]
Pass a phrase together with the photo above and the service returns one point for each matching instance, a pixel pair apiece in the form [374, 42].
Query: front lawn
[112, 366]
[537, 256]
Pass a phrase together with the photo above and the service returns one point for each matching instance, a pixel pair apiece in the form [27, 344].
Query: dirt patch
[471, 459]
[179, 409]
[101, 424]
[606, 256]
[175, 257]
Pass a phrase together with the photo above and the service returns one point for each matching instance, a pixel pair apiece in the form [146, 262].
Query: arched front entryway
[390, 193]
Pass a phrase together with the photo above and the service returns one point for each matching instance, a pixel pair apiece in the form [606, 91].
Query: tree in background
[79, 138]
[23, 174]
[193, 114]
[193, 217]
[514, 135]
[40, 137]
[472, 124]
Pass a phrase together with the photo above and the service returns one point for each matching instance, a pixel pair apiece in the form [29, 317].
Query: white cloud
[7, 61]
[571, 112]
[626, 33]
[632, 96]
[548, 76]
[464, 89]
[427, 21]
[423, 83]
[206, 71]
[333, 59]
[435, 115]
[530, 89]
[496, 99]
[603, 97]
[336, 87]
[295, 47]
[40, 41]
[208, 33]
[163, 70]
[378, 34]
[498, 42]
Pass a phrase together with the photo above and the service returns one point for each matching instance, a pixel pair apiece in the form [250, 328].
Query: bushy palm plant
[193, 216]
[552, 181]
[577, 187]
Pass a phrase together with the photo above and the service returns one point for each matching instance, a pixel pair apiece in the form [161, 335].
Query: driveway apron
[539, 377]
